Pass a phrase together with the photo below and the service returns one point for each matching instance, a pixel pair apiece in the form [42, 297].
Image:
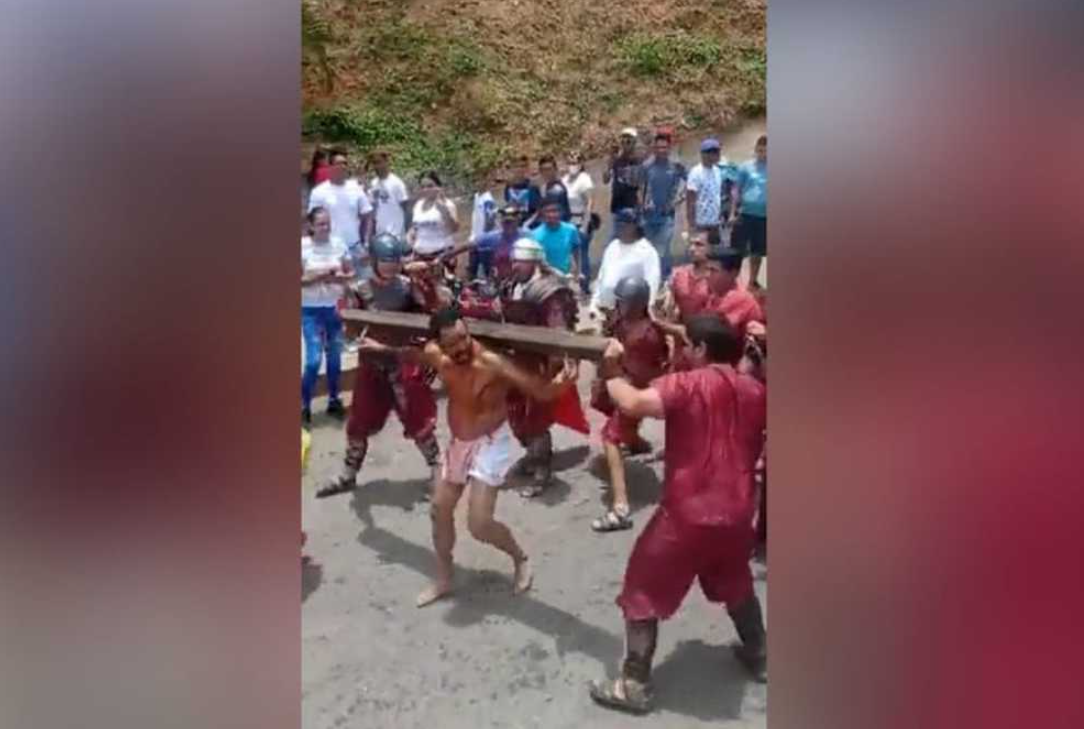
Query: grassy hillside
[459, 85]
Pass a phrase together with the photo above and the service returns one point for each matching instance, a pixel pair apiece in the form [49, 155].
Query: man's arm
[679, 189]
[653, 273]
[735, 192]
[634, 402]
[600, 276]
[428, 355]
[534, 386]
[690, 208]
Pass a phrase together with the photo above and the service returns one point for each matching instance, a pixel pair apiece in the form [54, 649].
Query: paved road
[370, 659]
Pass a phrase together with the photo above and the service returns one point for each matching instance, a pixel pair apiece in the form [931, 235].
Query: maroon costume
[703, 528]
[546, 300]
[737, 307]
[384, 384]
[645, 359]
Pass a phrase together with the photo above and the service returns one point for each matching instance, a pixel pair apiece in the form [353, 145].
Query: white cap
[526, 249]
[629, 132]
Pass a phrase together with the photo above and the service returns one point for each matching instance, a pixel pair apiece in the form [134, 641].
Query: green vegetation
[658, 54]
[462, 156]
[461, 87]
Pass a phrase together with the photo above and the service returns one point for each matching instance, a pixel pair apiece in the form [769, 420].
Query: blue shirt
[527, 196]
[663, 182]
[753, 183]
[492, 240]
[558, 243]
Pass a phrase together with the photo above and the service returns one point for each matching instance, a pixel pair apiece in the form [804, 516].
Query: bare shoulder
[491, 359]
[432, 355]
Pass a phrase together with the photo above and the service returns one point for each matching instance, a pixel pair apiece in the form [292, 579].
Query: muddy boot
[632, 692]
[753, 651]
[356, 448]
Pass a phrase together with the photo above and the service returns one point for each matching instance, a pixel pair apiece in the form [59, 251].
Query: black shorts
[751, 235]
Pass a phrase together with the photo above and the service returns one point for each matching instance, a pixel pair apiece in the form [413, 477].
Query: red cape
[568, 412]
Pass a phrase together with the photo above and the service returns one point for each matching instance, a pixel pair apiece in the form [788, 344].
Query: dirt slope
[461, 84]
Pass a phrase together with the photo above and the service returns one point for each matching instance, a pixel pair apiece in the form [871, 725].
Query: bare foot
[523, 577]
[433, 593]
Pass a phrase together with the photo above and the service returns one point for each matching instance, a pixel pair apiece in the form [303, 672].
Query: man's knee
[441, 508]
[480, 526]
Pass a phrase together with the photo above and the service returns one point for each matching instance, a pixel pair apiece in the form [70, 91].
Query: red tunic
[528, 417]
[645, 359]
[703, 528]
[384, 384]
[737, 306]
[691, 292]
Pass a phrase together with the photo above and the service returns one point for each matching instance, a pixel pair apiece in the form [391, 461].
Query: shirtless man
[480, 452]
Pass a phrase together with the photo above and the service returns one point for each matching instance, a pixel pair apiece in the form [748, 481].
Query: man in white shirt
[349, 207]
[704, 190]
[579, 185]
[389, 196]
[630, 254]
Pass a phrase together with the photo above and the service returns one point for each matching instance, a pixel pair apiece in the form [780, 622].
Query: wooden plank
[401, 326]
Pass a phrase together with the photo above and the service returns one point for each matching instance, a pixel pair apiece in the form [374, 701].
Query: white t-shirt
[626, 259]
[346, 203]
[432, 234]
[708, 186]
[484, 217]
[388, 196]
[322, 258]
[579, 189]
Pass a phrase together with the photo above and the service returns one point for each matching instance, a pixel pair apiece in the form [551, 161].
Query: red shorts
[376, 395]
[620, 429]
[670, 554]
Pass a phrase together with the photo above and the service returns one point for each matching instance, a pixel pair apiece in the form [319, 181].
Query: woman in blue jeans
[325, 270]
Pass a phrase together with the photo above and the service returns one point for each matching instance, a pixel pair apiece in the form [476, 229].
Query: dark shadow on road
[483, 593]
[645, 488]
[405, 495]
[702, 681]
[569, 458]
[312, 574]
[558, 492]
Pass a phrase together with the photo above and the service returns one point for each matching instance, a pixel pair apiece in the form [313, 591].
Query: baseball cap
[710, 145]
[509, 211]
[626, 215]
[629, 132]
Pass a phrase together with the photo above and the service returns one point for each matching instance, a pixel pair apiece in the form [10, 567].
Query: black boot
[336, 409]
[753, 651]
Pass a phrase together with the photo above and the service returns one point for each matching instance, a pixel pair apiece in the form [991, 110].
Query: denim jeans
[660, 231]
[322, 330]
[585, 261]
[479, 260]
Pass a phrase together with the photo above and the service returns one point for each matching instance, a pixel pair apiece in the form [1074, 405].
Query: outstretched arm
[530, 384]
[428, 355]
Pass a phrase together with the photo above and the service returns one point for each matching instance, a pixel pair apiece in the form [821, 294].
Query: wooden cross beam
[395, 327]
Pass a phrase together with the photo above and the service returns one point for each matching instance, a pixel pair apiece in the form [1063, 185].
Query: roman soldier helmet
[526, 249]
[634, 291]
[386, 247]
